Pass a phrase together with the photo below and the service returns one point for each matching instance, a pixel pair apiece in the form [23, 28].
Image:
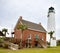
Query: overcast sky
[32, 10]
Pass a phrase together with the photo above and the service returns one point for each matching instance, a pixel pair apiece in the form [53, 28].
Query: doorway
[36, 43]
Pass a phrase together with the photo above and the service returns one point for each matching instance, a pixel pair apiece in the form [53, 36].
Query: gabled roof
[31, 25]
[34, 26]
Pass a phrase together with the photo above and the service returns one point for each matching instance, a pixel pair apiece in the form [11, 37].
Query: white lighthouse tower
[51, 25]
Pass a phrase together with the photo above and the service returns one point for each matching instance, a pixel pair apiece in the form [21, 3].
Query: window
[36, 37]
[42, 37]
[29, 36]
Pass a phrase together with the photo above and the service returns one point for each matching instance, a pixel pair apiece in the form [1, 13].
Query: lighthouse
[51, 25]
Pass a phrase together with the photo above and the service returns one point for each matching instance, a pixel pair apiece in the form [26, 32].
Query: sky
[32, 10]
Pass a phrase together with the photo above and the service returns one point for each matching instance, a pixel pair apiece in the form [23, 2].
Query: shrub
[5, 44]
[48, 43]
[1, 41]
[58, 43]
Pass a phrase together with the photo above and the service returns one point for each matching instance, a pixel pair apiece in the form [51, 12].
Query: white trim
[36, 30]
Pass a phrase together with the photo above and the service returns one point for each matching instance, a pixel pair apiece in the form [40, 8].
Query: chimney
[39, 23]
[20, 17]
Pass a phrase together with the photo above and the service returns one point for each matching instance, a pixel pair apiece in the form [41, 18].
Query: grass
[32, 50]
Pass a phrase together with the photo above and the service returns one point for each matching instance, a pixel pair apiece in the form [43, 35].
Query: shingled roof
[31, 25]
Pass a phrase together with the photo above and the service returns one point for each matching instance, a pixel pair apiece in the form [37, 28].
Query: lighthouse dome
[51, 8]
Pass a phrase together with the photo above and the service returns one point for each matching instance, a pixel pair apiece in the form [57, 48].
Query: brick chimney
[39, 23]
[20, 17]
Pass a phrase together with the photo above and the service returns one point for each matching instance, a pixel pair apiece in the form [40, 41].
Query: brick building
[34, 36]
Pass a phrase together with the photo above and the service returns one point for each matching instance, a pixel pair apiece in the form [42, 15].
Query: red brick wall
[28, 32]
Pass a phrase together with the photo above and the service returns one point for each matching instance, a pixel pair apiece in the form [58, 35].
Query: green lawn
[32, 50]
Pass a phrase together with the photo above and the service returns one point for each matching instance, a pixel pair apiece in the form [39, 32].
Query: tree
[4, 30]
[12, 34]
[51, 33]
[21, 27]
